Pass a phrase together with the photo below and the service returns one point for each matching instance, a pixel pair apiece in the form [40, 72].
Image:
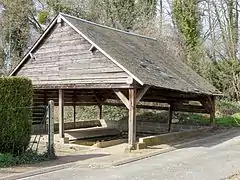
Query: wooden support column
[213, 110]
[45, 98]
[131, 104]
[100, 102]
[61, 113]
[74, 115]
[74, 108]
[45, 103]
[100, 111]
[132, 119]
[170, 113]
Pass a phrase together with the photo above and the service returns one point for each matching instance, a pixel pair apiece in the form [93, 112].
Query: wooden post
[45, 98]
[45, 105]
[132, 119]
[51, 128]
[74, 108]
[74, 115]
[170, 113]
[100, 111]
[61, 113]
[213, 110]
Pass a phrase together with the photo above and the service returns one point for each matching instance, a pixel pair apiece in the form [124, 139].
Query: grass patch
[198, 119]
[228, 121]
[29, 157]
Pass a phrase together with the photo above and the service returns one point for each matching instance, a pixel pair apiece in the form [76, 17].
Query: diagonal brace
[122, 97]
[141, 93]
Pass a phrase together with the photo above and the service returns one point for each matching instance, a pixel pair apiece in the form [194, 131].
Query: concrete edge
[52, 169]
[104, 144]
[144, 156]
[39, 171]
[169, 137]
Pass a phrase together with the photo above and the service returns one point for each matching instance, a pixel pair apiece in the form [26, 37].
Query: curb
[133, 159]
[52, 169]
[39, 171]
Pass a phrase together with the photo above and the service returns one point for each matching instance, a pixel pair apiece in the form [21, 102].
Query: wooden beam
[209, 105]
[82, 86]
[141, 93]
[189, 108]
[132, 119]
[122, 97]
[100, 111]
[45, 98]
[170, 113]
[206, 104]
[61, 113]
[139, 106]
[74, 108]
[74, 115]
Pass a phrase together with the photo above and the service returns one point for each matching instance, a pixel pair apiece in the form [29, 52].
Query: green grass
[226, 121]
[29, 157]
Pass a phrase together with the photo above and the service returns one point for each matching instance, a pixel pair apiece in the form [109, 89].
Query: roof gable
[64, 58]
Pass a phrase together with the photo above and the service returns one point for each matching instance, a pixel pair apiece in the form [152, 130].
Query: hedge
[16, 96]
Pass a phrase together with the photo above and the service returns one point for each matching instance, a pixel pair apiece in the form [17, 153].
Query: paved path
[212, 158]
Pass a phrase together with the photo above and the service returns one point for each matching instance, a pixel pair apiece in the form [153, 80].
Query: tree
[14, 30]
[222, 46]
[147, 8]
[187, 19]
[121, 14]
[227, 16]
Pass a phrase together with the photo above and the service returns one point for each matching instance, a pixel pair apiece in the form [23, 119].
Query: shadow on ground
[209, 139]
[215, 139]
[69, 159]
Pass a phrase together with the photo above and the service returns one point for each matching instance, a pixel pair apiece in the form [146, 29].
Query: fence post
[51, 127]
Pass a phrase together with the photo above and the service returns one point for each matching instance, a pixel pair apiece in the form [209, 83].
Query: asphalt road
[208, 159]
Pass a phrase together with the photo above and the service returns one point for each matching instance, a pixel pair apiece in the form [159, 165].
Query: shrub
[29, 157]
[15, 114]
[43, 16]
[225, 108]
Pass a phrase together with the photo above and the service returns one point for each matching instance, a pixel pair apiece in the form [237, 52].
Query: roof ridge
[107, 27]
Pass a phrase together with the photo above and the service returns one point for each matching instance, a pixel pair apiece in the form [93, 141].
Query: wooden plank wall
[64, 58]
